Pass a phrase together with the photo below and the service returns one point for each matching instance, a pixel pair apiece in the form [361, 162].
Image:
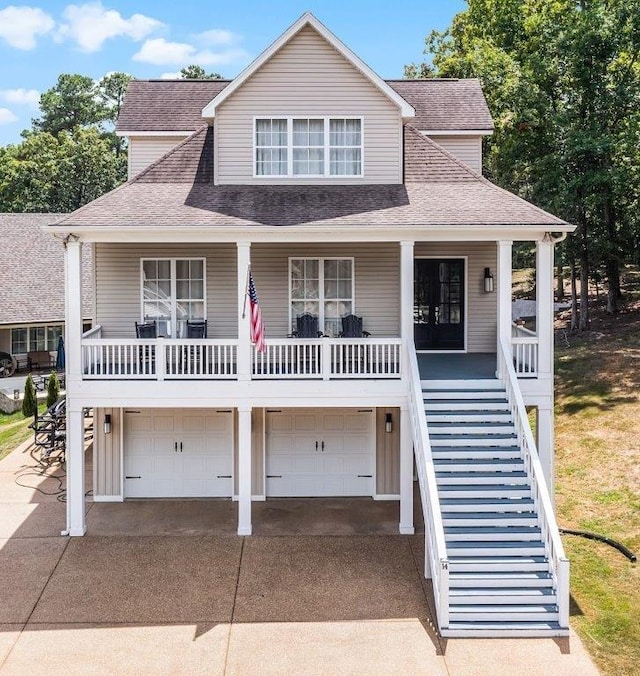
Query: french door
[438, 309]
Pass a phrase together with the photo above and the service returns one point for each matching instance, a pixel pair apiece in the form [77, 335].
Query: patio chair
[352, 328]
[196, 328]
[307, 327]
[146, 330]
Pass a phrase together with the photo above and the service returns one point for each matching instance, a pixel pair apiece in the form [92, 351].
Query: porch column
[244, 344]
[504, 294]
[406, 292]
[545, 442]
[544, 307]
[73, 310]
[75, 471]
[406, 473]
[244, 470]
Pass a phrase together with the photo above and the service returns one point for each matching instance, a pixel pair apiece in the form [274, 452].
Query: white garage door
[320, 452]
[186, 453]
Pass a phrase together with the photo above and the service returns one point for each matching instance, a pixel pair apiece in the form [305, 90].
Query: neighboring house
[32, 282]
[347, 195]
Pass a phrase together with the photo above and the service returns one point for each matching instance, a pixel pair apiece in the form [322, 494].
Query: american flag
[257, 327]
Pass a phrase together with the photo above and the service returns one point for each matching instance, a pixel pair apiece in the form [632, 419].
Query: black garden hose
[601, 538]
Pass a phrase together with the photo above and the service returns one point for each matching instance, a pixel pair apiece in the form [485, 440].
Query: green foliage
[30, 402]
[194, 72]
[53, 389]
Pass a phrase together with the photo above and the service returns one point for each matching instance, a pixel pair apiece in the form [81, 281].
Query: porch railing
[329, 358]
[166, 359]
[525, 351]
[539, 490]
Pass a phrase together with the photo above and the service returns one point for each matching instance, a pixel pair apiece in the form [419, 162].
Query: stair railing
[539, 490]
[436, 562]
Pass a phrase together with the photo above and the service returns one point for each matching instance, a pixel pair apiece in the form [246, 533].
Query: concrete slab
[25, 567]
[9, 634]
[28, 520]
[314, 579]
[531, 656]
[163, 517]
[60, 650]
[143, 579]
[390, 647]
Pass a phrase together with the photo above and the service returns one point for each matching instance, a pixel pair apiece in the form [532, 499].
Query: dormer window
[308, 147]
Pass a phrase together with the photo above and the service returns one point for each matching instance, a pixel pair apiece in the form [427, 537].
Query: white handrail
[539, 490]
[436, 561]
[95, 332]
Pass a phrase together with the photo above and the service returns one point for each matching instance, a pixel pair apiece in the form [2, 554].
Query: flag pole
[246, 292]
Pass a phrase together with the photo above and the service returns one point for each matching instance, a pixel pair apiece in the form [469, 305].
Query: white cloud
[21, 97]
[90, 25]
[161, 52]
[217, 36]
[171, 76]
[20, 26]
[6, 116]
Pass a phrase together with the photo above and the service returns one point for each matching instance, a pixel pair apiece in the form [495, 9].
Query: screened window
[19, 341]
[35, 338]
[322, 287]
[308, 147]
[173, 291]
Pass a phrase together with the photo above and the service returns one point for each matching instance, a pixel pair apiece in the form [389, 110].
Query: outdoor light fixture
[388, 422]
[16, 394]
[488, 281]
[106, 426]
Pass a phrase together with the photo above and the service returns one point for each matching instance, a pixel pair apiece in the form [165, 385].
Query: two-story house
[382, 262]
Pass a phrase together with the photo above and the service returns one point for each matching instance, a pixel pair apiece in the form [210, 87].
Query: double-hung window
[322, 287]
[39, 338]
[173, 291]
[308, 147]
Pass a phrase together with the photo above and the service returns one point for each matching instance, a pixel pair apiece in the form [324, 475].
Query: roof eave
[407, 111]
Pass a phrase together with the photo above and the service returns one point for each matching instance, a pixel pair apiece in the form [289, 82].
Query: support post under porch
[406, 473]
[544, 307]
[244, 346]
[545, 442]
[504, 295]
[244, 471]
[76, 524]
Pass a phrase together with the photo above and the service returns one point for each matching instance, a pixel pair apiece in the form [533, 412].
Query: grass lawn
[598, 484]
[14, 430]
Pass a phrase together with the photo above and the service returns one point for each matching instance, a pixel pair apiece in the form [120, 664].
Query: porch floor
[451, 366]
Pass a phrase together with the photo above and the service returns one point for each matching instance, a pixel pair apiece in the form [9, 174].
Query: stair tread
[490, 544]
[485, 501]
[505, 530]
[489, 608]
[542, 592]
[497, 488]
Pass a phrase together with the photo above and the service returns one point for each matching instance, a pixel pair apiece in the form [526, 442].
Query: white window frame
[327, 147]
[173, 287]
[27, 328]
[321, 298]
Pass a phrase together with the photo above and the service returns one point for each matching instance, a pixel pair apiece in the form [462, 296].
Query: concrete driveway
[168, 588]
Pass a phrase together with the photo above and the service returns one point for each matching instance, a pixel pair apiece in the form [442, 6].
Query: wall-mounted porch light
[388, 423]
[106, 425]
[488, 281]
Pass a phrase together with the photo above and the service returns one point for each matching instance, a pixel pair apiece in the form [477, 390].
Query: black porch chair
[196, 328]
[352, 328]
[146, 330]
[143, 331]
[307, 327]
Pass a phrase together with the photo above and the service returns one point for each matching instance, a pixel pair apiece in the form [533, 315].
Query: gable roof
[439, 194]
[32, 271]
[308, 19]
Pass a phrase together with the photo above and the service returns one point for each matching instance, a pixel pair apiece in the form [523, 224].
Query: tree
[111, 89]
[194, 72]
[53, 389]
[563, 84]
[30, 401]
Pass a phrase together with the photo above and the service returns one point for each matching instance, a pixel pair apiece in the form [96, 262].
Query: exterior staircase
[500, 577]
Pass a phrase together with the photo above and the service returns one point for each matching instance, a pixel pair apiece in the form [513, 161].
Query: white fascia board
[456, 132]
[308, 19]
[155, 133]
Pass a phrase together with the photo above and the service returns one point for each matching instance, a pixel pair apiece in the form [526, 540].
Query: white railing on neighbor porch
[329, 358]
[539, 490]
[525, 351]
[436, 561]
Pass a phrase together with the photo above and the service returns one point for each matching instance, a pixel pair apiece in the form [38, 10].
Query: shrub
[53, 389]
[30, 402]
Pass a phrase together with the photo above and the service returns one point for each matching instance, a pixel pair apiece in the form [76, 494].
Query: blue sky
[154, 38]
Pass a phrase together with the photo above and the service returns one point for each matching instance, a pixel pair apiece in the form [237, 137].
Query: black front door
[438, 303]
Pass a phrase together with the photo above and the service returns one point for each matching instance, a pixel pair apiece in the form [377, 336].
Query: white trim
[466, 305]
[386, 496]
[154, 133]
[307, 19]
[456, 132]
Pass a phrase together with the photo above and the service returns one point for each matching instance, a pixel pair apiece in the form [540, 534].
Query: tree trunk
[583, 324]
[574, 297]
[560, 295]
[614, 294]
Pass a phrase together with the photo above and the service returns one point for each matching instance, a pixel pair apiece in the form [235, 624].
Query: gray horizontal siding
[145, 150]
[307, 77]
[467, 149]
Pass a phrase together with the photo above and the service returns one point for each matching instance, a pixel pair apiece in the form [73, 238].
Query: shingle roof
[32, 271]
[439, 192]
[176, 105]
[446, 105]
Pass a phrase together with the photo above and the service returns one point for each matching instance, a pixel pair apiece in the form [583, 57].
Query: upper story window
[308, 147]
